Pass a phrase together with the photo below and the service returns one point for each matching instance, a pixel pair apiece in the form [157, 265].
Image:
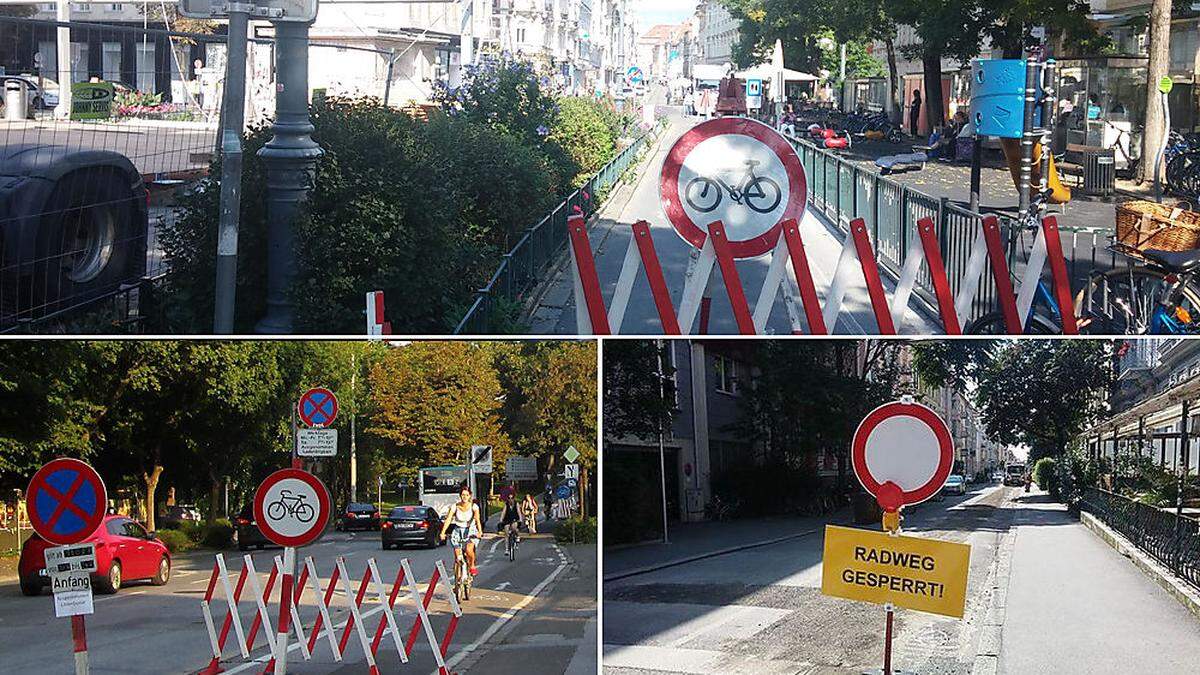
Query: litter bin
[15, 99]
[1099, 172]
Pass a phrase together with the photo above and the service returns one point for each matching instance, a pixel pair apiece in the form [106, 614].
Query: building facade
[717, 32]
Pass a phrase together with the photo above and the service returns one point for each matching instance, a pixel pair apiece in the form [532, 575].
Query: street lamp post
[291, 157]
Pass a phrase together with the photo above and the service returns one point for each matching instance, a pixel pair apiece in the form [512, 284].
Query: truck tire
[90, 244]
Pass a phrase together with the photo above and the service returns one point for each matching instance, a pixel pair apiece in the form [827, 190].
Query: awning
[764, 71]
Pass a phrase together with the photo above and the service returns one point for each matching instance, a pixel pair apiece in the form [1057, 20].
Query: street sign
[635, 75]
[571, 471]
[902, 453]
[571, 454]
[1165, 85]
[72, 594]
[738, 171]
[316, 442]
[924, 574]
[562, 491]
[318, 407]
[63, 560]
[66, 501]
[301, 11]
[519, 467]
[481, 458]
[572, 483]
[292, 507]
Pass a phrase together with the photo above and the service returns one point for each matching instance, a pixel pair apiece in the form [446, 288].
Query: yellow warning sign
[912, 572]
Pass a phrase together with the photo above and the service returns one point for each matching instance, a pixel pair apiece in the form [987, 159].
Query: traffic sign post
[292, 508]
[66, 501]
[520, 467]
[902, 453]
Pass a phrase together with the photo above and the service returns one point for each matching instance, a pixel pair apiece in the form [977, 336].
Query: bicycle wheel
[1183, 175]
[765, 191]
[993, 324]
[276, 510]
[1122, 301]
[305, 513]
[703, 194]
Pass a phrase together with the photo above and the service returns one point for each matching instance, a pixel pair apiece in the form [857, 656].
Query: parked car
[411, 525]
[955, 485]
[247, 532]
[125, 551]
[358, 516]
[44, 97]
[177, 515]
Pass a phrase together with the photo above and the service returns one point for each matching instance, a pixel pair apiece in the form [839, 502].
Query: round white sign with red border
[738, 171]
[292, 507]
[902, 453]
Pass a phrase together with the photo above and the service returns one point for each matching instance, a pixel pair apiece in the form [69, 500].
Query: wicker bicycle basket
[1149, 225]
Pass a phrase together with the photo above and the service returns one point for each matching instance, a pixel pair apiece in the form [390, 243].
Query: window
[725, 370]
[116, 7]
[116, 526]
[521, 35]
[135, 530]
[111, 61]
[145, 67]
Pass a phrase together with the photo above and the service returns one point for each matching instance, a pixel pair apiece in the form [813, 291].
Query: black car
[358, 516]
[248, 534]
[411, 525]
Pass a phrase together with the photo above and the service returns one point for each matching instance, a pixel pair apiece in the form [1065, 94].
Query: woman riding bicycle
[463, 517]
[510, 517]
[530, 509]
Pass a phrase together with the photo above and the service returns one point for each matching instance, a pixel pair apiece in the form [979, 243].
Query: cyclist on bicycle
[463, 517]
[530, 508]
[510, 517]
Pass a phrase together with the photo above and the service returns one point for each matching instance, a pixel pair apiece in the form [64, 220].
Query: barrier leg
[937, 271]
[866, 258]
[654, 275]
[589, 303]
[804, 280]
[323, 615]
[698, 273]
[729, 275]
[1004, 287]
[1058, 271]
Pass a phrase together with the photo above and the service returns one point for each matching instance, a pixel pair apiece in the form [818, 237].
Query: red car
[125, 551]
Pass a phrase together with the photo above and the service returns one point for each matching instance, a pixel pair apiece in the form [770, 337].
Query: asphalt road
[149, 629]
[761, 610]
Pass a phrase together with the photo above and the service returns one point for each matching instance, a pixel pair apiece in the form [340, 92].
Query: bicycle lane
[610, 237]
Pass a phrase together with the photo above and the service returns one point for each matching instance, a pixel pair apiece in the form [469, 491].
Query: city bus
[438, 486]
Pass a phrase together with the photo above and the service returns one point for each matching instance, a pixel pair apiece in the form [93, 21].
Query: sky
[651, 12]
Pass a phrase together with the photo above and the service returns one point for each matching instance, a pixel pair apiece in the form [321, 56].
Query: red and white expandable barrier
[799, 290]
[376, 324]
[290, 619]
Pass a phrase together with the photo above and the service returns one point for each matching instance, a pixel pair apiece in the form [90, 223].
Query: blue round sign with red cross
[66, 501]
[318, 407]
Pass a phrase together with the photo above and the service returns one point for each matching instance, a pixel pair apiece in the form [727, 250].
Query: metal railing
[530, 259]
[841, 190]
[1172, 540]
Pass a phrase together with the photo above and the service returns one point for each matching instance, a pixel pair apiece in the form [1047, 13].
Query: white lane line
[502, 619]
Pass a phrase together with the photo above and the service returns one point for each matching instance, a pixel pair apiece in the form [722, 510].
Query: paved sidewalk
[559, 628]
[690, 541]
[1075, 605]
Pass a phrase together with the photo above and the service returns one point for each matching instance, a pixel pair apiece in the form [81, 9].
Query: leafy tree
[1042, 393]
[951, 363]
[637, 402]
[585, 134]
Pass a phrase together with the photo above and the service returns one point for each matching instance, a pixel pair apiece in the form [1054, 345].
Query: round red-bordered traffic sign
[292, 507]
[66, 501]
[902, 453]
[318, 407]
[708, 160]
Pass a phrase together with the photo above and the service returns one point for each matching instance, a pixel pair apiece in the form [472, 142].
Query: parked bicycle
[1154, 293]
[759, 193]
[290, 504]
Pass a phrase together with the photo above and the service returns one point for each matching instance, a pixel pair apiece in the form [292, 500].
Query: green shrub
[176, 541]
[1045, 474]
[193, 530]
[420, 210]
[219, 535]
[506, 95]
[585, 134]
[765, 490]
[576, 529]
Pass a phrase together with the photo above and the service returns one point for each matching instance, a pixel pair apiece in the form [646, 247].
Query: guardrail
[841, 190]
[526, 264]
[1172, 540]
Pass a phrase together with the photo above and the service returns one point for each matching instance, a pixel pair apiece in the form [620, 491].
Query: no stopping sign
[902, 453]
[738, 171]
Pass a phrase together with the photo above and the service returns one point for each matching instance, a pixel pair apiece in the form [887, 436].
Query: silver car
[43, 97]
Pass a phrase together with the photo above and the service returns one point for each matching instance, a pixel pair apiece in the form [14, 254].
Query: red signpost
[902, 453]
[66, 501]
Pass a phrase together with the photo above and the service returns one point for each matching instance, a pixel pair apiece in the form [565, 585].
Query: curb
[711, 554]
[1178, 589]
[991, 630]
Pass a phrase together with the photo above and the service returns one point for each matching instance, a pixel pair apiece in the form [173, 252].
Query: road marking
[502, 619]
[503, 585]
